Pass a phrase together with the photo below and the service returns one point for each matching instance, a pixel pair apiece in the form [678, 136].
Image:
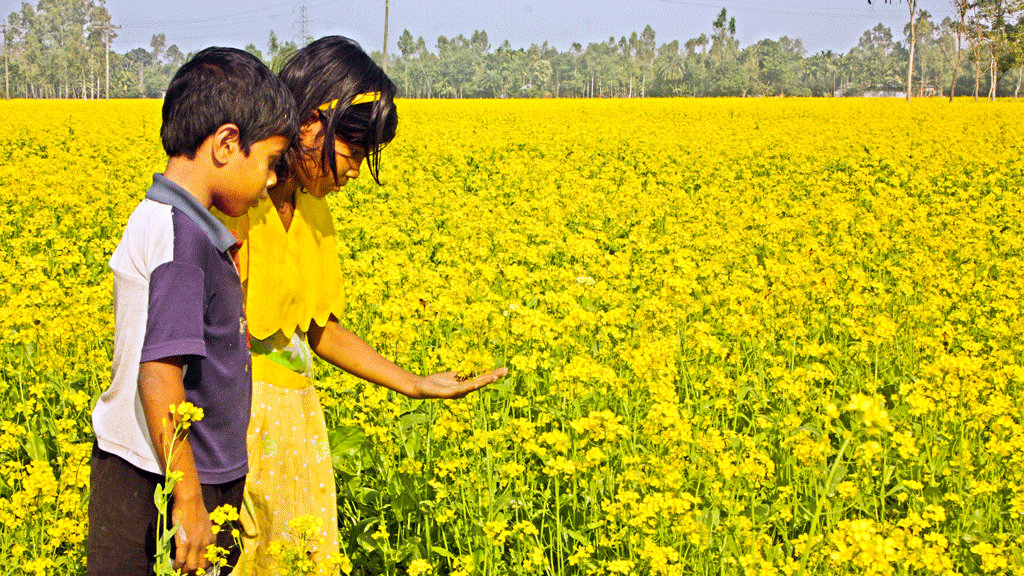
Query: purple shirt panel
[195, 311]
[174, 326]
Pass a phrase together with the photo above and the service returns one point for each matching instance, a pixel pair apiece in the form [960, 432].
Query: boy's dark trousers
[123, 517]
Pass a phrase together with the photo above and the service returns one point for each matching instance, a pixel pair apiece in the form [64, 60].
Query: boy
[180, 329]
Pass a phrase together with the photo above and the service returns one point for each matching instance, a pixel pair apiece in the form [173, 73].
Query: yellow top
[291, 276]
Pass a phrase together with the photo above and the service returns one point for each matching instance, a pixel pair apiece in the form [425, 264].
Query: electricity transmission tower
[303, 24]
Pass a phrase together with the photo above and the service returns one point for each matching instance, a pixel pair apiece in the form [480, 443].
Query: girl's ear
[225, 143]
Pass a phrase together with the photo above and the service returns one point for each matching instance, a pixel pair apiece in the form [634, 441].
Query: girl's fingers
[447, 384]
[485, 379]
[492, 375]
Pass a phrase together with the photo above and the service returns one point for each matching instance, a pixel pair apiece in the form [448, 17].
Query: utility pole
[387, 7]
[106, 36]
[912, 5]
[107, 28]
[7, 85]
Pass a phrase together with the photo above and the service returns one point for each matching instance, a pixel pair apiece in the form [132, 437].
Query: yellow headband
[359, 99]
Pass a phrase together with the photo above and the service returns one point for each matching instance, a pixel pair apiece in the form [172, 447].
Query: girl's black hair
[335, 68]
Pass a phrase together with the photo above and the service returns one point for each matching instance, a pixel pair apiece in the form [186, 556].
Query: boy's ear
[225, 143]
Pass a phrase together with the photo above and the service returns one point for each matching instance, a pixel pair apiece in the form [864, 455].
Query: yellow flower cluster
[745, 337]
[297, 553]
[186, 413]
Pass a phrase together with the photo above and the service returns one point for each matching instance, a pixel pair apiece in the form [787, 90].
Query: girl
[289, 267]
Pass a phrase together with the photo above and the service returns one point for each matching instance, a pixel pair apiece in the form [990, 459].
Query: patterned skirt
[290, 471]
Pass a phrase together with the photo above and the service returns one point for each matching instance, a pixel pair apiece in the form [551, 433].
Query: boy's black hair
[335, 68]
[225, 86]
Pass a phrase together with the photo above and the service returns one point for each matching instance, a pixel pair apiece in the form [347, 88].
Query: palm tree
[489, 79]
[672, 68]
[540, 73]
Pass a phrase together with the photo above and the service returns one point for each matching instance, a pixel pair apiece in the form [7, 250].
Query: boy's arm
[160, 386]
[349, 352]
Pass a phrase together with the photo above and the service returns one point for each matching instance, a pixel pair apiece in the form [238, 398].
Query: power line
[852, 13]
[219, 18]
[213, 25]
[226, 21]
[202, 39]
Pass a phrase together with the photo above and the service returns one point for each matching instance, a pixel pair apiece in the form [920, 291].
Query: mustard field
[746, 337]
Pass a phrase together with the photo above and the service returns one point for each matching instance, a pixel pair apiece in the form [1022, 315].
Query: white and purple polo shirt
[177, 293]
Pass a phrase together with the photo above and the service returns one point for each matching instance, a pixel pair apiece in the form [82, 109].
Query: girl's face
[318, 180]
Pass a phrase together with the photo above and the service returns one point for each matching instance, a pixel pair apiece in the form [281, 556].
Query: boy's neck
[189, 174]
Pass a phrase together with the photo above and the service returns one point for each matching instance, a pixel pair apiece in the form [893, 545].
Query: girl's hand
[447, 385]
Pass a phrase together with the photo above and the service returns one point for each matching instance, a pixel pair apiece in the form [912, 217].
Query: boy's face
[250, 175]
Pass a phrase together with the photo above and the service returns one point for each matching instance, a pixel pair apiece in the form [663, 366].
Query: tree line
[60, 49]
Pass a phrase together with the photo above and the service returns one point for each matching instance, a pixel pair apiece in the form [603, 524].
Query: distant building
[842, 91]
[884, 94]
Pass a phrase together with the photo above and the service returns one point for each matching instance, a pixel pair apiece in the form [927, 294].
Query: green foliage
[58, 50]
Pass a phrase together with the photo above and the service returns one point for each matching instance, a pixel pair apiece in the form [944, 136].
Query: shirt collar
[165, 191]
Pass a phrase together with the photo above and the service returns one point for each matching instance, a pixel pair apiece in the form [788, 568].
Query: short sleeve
[174, 325]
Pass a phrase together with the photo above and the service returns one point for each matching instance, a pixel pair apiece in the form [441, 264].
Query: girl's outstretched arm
[349, 352]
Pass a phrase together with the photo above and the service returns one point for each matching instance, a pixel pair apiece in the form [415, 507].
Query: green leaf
[761, 513]
[367, 542]
[36, 448]
[712, 517]
[500, 386]
[442, 552]
[347, 439]
[841, 472]
[168, 535]
[932, 494]
[412, 419]
[362, 533]
[577, 536]
[347, 443]
[407, 549]
[365, 495]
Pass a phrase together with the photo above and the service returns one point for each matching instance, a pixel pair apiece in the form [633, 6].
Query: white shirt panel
[148, 242]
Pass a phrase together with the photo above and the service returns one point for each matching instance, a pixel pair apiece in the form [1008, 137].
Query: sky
[195, 24]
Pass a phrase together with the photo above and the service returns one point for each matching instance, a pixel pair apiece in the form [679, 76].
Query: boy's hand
[447, 384]
[194, 534]
[160, 386]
